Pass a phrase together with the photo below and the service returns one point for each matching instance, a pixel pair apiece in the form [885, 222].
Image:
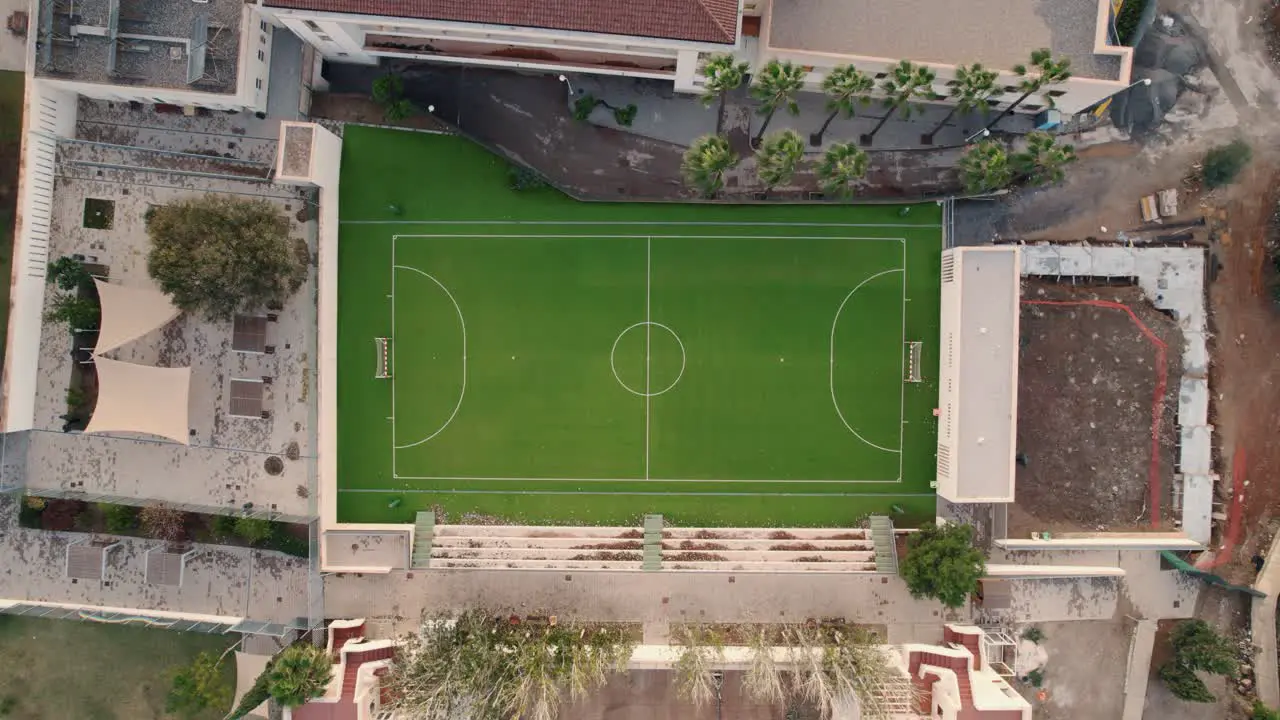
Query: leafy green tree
[846, 88]
[81, 313]
[723, 75]
[399, 110]
[907, 83]
[942, 563]
[1197, 647]
[198, 687]
[1223, 163]
[387, 89]
[220, 255]
[1043, 72]
[842, 165]
[775, 86]
[255, 531]
[706, 162]
[971, 90]
[1043, 162]
[985, 167]
[300, 673]
[68, 274]
[778, 158]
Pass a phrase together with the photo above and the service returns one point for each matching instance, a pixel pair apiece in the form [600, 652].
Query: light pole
[564, 79]
[981, 133]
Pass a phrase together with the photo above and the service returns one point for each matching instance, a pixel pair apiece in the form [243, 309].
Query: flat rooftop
[151, 43]
[986, 350]
[996, 33]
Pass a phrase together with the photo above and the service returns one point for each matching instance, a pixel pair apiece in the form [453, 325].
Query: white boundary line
[648, 344]
[649, 240]
[613, 351]
[640, 480]
[395, 369]
[463, 393]
[902, 369]
[832, 367]
[667, 223]
[465, 491]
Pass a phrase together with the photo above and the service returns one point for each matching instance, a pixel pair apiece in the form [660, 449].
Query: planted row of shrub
[158, 522]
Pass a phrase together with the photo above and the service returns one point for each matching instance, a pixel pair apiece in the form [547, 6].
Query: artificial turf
[560, 413]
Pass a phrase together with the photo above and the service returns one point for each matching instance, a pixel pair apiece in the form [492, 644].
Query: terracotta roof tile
[695, 20]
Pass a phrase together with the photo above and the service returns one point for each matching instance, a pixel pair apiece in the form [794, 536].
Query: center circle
[653, 345]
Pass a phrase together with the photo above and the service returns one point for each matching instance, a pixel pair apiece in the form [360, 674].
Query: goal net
[383, 366]
[913, 361]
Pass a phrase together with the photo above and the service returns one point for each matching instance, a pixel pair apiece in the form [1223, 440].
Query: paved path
[1139, 669]
[1263, 627]
[526, 118]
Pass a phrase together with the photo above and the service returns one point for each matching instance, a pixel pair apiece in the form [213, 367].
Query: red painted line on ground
[1231, 535]
[1157, 402]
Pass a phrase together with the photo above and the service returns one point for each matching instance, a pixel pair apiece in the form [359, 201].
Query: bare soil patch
[1087, 403]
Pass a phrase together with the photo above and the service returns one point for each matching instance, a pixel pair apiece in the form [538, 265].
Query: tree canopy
[197, 687]
[942, 563]
[218, 255]
[706, 162]
[1197, 647]
[298, 674]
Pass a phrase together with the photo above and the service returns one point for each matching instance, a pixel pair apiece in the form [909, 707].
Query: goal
[913, 361]
[382, 368]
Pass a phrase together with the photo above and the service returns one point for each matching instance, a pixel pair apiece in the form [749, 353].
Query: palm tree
[971, 90]
[842, 164]
[298, 674]
[1043, 161]
[724, 75]
[705, 163]
[845, 87]
[778, 157]
[985, 167]
[775, 86]
[906, 83]
[1043, 72]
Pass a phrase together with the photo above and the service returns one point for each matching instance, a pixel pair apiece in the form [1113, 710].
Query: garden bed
[174, 526]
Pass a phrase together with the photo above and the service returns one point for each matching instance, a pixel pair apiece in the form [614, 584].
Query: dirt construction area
[1098, 369]
[1072, 687]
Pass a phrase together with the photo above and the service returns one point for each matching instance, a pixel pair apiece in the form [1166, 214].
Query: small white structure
[978, 375]
[141, 399]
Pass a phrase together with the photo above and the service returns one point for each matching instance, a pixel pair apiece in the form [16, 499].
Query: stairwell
[424, 531]
[885, 548]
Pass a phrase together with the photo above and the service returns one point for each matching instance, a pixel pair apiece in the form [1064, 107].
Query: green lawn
[67, 669]
[556, 361]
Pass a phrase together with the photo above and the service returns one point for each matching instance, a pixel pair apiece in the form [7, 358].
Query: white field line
[648, 340]
[395, 369]
[594, 236]
[461, 395]
[832, 367]
[655, 223]
[902, 374]
[465, 491]
[652, 479]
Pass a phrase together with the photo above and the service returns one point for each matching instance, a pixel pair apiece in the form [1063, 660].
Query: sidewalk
[662, 114]
[526, 118]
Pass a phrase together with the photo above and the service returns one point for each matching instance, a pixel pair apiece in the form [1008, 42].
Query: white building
[666, 39]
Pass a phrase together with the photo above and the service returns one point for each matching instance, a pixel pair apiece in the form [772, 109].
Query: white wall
[50, 113]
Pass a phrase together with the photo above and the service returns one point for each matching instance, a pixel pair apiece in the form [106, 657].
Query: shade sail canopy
[129, 313]
[248, 668]
[141, 399]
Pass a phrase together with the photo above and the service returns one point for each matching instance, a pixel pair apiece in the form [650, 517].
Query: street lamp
[565, 80]
[981, 133]
[717, 677]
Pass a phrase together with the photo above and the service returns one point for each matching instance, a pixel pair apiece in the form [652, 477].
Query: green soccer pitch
[552, 361]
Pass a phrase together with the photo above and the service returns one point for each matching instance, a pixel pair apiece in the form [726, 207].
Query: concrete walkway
[1139, 669]
[662, 114]
[1262, 624]
[526, 119]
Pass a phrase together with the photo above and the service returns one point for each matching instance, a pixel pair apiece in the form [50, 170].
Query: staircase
[423, 532]
[885, 547]
[652, 543]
